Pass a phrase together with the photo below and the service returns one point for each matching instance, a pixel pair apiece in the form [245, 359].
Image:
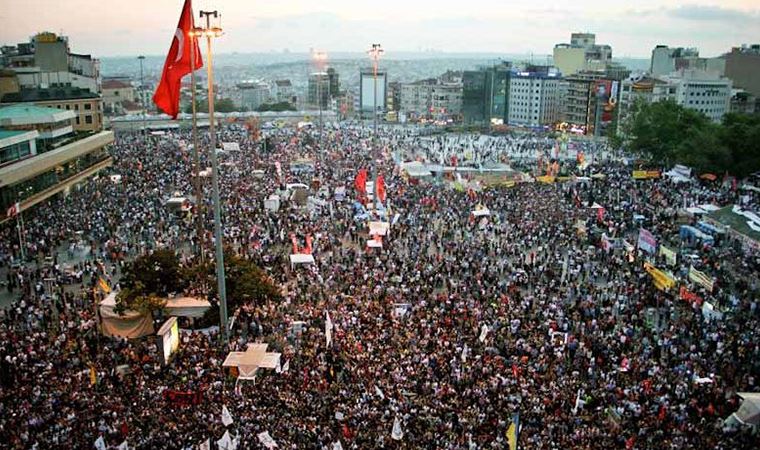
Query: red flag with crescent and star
[177, 63]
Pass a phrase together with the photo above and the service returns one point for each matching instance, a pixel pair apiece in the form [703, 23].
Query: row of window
[46, 180]
[15, 152]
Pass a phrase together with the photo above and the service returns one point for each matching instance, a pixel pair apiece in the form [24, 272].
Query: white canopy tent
[481, 212]
[186, 306]
[301, 258]
[380, 228]
[749, 411]
[130, 324]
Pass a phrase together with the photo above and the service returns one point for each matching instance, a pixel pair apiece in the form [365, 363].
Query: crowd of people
[457, 324]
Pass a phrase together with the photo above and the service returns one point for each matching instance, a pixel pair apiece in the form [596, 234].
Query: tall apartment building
[485, 94]
[318, 93]
[431, 98]
[581, 54]
[46, 61]
[42, 155]
[534, 96]
[743, 68]
[666, 60]
[702, 91]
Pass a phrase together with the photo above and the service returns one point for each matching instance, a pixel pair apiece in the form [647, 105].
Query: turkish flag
[380, 188]
[177, 63]
[361, 181]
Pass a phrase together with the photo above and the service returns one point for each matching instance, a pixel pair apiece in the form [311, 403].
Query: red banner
[182, 398]
[690, 296]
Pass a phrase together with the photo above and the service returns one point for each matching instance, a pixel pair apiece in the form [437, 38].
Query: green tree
[658, 129]
[741, 135]
[281, 106]
[150, 278]
[245, 282]
[704, 150]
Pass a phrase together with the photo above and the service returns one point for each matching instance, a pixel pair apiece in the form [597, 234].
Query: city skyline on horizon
[335, 26]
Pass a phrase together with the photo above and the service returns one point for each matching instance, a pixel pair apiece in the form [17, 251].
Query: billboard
[168, 338]
[367, 94]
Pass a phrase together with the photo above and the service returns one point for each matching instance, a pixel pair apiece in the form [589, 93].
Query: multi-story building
[318, 94]
[743, 102]
[446, 100]
[393, 99]
[45, 61]
[416, 98]
[743, 68]
[115, 93]
[666, 60]
[581, 54]
[252, 94]
[485, 94]
[641, 89]
[86, 105]
[372, 91]
[42, 155]
[534, 96]
[702, 91]
[334, 82]
[283, 92]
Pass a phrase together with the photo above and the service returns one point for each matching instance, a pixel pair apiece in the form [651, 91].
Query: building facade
[253, 94]
[87, 106]
[666, 60]
[581, 54]
[534, 97]
[318, 93]
[115, 93]
[46, 61]
[641, 89]
[485, 94]
[283, 92]
[43, 156]
[743, 68]
[702, 91]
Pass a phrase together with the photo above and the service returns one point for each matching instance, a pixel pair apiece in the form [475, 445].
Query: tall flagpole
[199, 215]
[210, 32]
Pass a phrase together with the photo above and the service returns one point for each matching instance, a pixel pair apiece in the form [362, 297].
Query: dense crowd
[455, 325]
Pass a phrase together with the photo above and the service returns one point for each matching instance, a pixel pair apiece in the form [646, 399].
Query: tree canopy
[669, 133]
[281, 106]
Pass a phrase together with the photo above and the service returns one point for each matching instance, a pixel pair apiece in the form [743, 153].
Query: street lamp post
[375, 53]
[210, 32]
[319, 61]
[142, 96]
[199, 210]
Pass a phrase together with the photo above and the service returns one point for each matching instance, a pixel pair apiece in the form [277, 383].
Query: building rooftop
[10, 133]
[31, 114]
[48, 94]
[115, 84]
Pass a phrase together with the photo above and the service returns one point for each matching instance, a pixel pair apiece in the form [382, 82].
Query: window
[116, 93]
[76, 107]
[68, 107]
[77, 120]
[87, 106]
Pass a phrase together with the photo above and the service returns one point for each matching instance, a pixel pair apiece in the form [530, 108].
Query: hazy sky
[632, 28]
